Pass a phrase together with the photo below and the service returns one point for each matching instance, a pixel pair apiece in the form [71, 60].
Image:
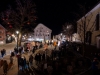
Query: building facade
[2, 35]
[42, 33]
[88, 27]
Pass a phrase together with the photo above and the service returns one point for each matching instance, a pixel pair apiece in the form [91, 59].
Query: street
[9, 47]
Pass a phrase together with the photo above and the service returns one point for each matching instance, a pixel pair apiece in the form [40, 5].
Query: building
[42, 33]
[60, 37]
[88, 27]
[2, 35]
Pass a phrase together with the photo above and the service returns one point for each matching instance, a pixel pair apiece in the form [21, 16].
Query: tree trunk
[84, 38]
[20, 39]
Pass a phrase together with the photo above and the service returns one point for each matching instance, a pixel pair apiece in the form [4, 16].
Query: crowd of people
[21, 60]
[59, 62]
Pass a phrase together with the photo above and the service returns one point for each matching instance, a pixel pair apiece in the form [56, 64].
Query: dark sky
[55, 13]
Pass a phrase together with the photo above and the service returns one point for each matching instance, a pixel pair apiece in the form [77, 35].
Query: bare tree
[83, 24]
[68, 30]
[22, 17]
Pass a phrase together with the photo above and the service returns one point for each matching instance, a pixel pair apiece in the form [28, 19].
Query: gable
[41, 26]
[95, 10]
[1, 27]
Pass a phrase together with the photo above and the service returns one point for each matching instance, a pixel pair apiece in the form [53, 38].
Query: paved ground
[89, 51]
[9, 47]
[14, 69]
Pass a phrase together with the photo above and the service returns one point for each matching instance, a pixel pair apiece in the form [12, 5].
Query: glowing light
[17, 32]
[1, 42]
[8, 23]
[28, 23]
[13, 35]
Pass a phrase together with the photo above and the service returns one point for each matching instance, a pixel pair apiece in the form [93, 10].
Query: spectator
[24, 60]
[11, 60]
[30, 59]
[1, 63]
[5, 67]
[45, 68]
[2, 53]
[94, 66]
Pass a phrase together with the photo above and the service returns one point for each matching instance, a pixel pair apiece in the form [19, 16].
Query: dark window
[40, 30]
[0, 36]
[97, 22]
[0, 32]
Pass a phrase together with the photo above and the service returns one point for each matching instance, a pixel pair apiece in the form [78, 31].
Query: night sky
[55, 13]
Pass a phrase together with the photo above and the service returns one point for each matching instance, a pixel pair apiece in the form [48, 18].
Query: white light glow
[17, 32]
[1, 42]
[13, 35]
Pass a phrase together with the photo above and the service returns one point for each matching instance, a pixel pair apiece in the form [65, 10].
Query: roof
[3, 27]
[43, 26]
[92, 10]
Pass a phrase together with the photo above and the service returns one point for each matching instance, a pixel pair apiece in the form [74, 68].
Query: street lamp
[17, 32]
[61, 36]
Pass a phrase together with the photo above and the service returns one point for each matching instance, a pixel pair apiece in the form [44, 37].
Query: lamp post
[17, 32]
[61, 37]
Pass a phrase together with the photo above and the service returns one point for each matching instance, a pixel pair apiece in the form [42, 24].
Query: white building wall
[41, 33]
[90, 23]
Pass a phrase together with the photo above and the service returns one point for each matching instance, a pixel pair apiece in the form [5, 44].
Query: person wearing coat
[5, 67]
[30, 59]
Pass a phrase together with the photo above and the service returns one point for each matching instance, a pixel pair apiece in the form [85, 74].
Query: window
[40, 30]
[97, 22]
[0, 32]
[41, 27]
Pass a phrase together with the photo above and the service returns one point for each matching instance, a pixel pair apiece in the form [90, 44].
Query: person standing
[24, 62]
[45, 67]
[11, 60]
[95, 66]
[5, 67]
[2, 53]
[30, 59]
